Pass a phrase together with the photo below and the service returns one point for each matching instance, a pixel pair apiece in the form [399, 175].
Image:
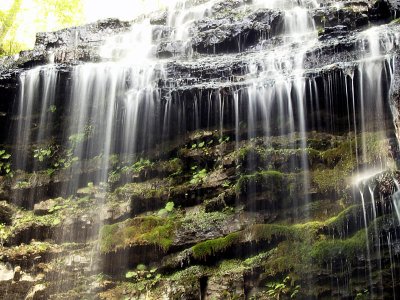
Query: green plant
[131, 275]
[226, 184]
[52, 108]
[224, 139]
[5, 164]
[66, 160]
[363, 295]
[115, 175]
[202, 144]
[198, 175]
[141, 164]
[286, 287]
[169, 207]
[80, 137]
[3, 234]
[50, 171]
[43, 153]
[22, 184]
[57, 208]
[141, 267]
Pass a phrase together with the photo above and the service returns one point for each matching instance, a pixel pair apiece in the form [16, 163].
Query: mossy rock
[282, 159]
[254, 234]
[260, 181]
[138, 231]
[274, 190]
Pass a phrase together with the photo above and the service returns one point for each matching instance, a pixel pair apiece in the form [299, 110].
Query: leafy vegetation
[198, 175]
[54, 157]
[18, 27]
[5, 162]
[168, 209]
[43, 153]
[9, 45]
[286, 287]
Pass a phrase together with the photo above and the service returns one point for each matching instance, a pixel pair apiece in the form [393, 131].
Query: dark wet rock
[6, 213]
[44, 207]
[17, 274]
[225, 35]
[116, 212]
[91, 34]
[15, 290]
[382, 9]
[117, 261]
[159, 19]
[347, 16]
[177, 261]
[33, 231]
[216, 204]
[226, 284]
[336, 28]
[80, 229]
[170, 49]
[68, 45]
[37, 292]
[335, 31]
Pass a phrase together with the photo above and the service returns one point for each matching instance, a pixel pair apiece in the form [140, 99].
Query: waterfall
[246, 121]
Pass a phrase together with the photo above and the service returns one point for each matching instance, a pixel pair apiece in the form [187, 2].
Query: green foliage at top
[66, 13]
[16, 28]
[7, 24]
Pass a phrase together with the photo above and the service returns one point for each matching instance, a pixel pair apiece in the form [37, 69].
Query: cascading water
[284, 126]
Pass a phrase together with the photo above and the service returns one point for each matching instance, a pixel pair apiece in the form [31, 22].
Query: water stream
[128, 106]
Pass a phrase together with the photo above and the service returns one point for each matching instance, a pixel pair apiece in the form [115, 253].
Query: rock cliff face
[218, 150]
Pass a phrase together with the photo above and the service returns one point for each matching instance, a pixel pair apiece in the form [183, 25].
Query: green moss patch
[271, 180]
[138, 231]
[341, 161]
[212, 247]
[350, 249]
